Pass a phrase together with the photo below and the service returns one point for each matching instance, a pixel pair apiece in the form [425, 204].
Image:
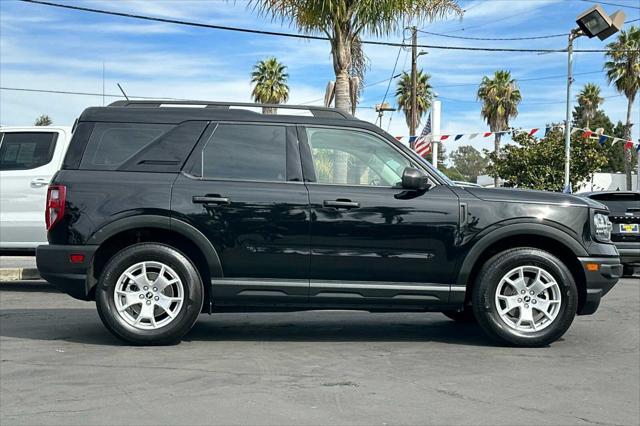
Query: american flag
[422, 145]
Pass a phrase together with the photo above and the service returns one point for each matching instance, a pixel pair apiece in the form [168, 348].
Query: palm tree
[270, 80]
[343, 22]
[589, 99]
[623, 70]
[424, 95]
[500, 96]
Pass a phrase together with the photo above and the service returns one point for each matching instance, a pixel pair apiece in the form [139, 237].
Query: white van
[29, 157]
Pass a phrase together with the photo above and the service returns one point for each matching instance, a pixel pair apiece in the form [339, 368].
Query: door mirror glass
[415, 179]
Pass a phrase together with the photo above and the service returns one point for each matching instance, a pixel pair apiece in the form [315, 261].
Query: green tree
[539, 164]
[424, 95]
[343, 22]
[500, 97]
[623, 71]
[469, 162]
[590, 100]
[270, 83]
[43, 120]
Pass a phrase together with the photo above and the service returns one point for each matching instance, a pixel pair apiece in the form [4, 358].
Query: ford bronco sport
[162, 212]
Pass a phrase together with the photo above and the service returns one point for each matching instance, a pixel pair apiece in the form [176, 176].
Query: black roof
[173, 112]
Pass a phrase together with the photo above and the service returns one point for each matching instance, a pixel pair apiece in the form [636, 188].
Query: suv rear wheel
[525, 297]
[149, 294]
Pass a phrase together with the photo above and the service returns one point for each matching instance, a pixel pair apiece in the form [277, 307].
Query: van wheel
[464, 317]
[149, 294]
[525, 297]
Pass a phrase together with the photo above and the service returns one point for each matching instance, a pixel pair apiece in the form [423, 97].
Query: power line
[611, 4]
[548, 77]
[299, 36]
[494, 38]
[67, 92]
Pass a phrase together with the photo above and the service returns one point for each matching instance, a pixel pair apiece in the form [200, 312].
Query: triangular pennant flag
[533, 132]
[628, 145]
[615, 141]
[412, 139]
[587, 134]
[638, 148]
[546, 131]
[602, 139]
[458, 137]
[444, 137]
[399, 138]
[472, 135]
[487, 134]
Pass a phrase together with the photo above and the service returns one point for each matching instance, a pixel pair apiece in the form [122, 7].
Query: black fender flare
[524, 228]
[166, 223]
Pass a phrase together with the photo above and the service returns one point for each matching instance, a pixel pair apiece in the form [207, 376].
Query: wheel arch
[540, 236]
[160, 229]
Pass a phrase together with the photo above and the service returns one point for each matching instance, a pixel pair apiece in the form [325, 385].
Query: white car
[29, 157]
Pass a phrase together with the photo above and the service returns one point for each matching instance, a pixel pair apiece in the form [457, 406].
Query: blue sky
[47, 48]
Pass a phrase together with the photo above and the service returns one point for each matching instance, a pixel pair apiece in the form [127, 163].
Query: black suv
[164, 211]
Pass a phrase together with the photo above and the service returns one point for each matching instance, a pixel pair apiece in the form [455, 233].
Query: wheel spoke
[539, 286]
[511, 302]
[131, 298]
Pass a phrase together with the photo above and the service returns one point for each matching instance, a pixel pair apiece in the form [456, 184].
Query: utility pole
[414, 81]
[567, 124]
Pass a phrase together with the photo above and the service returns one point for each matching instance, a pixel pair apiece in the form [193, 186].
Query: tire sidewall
[145, 252]
[489, 278]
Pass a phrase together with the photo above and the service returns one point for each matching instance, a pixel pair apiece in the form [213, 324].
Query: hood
[532, 196]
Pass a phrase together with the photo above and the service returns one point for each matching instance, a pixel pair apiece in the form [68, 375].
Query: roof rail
[316, 111]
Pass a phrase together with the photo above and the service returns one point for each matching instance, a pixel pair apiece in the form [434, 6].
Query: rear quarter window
[140, 147]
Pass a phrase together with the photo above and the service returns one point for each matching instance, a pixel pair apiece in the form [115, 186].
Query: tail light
[56, 198]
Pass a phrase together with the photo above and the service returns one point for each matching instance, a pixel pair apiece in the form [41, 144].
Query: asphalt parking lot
[60, 366]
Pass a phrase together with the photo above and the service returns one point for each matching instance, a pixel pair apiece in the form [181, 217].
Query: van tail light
[56, 198]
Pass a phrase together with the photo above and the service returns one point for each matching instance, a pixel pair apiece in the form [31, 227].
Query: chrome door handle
[341, 204]
[39, 182]
[210, 199]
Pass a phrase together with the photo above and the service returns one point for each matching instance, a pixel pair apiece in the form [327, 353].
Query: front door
[372, 242]
[245, 194]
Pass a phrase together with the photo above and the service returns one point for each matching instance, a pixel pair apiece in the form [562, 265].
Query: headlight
[602, 227]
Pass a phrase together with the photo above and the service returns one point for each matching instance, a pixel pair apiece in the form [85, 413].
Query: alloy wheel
[149, 295]
[528, 299]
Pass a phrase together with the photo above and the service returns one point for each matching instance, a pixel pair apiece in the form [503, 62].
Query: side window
[351, 157]
[26, 150]
[247, 152]
[112, 144]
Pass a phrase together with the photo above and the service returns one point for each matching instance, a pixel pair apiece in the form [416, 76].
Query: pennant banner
[587, 134]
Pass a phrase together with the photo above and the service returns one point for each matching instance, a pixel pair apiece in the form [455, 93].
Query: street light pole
[414, 81]
[567, 124]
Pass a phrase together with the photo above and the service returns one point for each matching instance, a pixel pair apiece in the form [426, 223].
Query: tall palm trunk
[341, 52]
[628, 156]
[269, 110]
[496, 147]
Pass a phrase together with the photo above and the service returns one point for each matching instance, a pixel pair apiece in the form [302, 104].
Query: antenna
[122, 90]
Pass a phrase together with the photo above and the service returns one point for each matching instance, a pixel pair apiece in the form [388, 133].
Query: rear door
[28, 161]
[243, 189]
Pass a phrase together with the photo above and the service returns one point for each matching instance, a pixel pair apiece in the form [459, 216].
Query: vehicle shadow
[79, 325]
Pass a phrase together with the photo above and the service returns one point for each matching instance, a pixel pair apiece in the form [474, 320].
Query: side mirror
[415, 179]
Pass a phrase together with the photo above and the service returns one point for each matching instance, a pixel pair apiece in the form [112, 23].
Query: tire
[628, 270]
[168, 307]
[493, 292]
[465, 316]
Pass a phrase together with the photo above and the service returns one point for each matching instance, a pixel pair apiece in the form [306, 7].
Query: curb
[19, 274]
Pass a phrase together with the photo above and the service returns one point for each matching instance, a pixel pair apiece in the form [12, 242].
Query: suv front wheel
[525, 297]
[149, 294]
